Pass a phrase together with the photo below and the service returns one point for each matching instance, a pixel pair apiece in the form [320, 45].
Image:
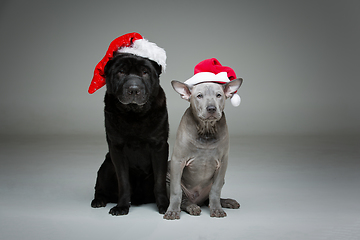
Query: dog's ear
[231, 87]
[182, 89]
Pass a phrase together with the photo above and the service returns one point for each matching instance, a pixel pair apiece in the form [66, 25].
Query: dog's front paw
[172, 215]
[229, 203]
[219, 213]
[98, 203]
[193, 209]
[117, 211]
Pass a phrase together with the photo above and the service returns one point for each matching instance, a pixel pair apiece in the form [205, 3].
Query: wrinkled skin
[136, 124]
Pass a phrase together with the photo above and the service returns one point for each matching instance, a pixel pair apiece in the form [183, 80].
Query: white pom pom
[235, 100]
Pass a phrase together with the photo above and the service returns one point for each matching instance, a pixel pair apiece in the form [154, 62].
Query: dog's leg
[106, 184]
[100, 199]
[215, 192]
[122, 173]
[176, 169]
[160, 164]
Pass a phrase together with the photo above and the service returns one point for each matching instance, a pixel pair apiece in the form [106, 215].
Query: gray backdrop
[299, 60]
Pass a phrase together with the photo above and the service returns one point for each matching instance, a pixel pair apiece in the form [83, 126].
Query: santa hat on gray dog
[132, 43]
[210, 70]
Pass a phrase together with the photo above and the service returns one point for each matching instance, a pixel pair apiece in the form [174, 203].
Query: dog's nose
[133, 90]
[211, 109]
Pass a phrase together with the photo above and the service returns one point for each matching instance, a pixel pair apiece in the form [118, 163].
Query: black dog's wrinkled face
[133, 80]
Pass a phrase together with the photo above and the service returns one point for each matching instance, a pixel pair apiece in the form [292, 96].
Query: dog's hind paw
[219, 213]
[172, 215]
[98, 203]
[229, 203]
[193, 209]
[162, 204]
[117, 211]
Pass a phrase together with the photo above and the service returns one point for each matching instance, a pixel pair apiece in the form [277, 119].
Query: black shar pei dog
[137, 129]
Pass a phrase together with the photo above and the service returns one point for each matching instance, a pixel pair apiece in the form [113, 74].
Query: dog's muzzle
[211, 109]
[211, 113]
[133, 92]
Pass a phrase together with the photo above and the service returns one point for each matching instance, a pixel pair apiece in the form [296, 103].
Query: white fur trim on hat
[207, 77]
[146, 49]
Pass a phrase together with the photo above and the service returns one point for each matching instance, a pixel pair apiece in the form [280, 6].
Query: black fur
[137, 129]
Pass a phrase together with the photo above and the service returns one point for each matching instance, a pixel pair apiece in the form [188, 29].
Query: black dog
[137, 129]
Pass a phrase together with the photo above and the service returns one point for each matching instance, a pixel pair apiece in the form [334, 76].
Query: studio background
[299, 61]
[294, 157]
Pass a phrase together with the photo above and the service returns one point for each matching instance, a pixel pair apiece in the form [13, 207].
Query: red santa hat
[132, 43]
[210, 70]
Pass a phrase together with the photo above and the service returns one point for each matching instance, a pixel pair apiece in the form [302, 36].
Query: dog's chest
[202, 167]
[133, 126]
[128, 127]
[138, 156]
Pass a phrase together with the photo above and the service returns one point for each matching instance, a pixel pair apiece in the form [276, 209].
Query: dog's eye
[199, 96]
[144, 72]
[122, 71]
[218, 95]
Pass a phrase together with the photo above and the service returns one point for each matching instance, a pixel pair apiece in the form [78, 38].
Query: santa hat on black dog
[210, 70]
[132, 43]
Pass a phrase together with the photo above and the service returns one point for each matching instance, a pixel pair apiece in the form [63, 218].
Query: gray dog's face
[207, 99]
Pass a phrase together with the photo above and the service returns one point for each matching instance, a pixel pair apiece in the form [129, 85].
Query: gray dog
[200, 155]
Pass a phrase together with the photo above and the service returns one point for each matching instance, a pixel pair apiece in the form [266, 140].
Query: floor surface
[288, 188]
